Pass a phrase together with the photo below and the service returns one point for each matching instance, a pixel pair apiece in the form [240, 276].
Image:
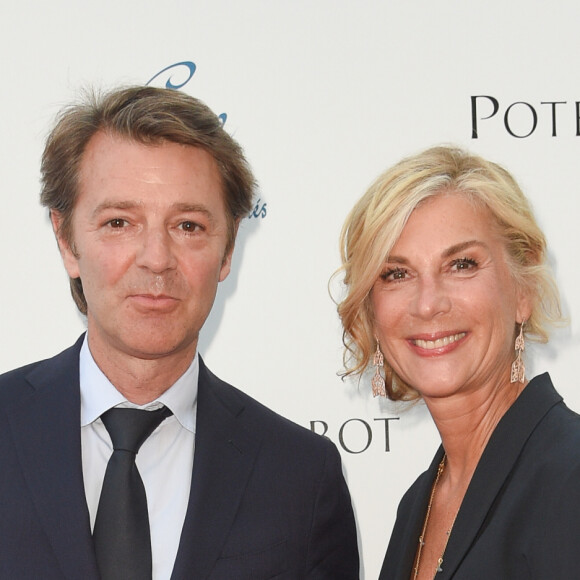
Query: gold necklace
[422, 536]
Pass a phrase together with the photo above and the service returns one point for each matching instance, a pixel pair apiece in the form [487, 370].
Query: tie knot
[129, 428]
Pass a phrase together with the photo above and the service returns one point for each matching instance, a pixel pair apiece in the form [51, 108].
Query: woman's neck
[465, 424]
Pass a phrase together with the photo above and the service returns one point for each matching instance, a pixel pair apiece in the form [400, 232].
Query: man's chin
[147, 342]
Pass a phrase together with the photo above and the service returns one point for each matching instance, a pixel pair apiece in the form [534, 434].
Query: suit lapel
[403, 544]
[494, 467]
[46, 430]
[225, 453]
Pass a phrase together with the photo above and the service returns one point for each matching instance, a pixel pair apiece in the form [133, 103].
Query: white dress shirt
[165, 460]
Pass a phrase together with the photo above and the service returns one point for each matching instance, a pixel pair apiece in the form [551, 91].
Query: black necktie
[121, 532]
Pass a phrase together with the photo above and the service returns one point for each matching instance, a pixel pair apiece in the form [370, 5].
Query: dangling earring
[518, 368]
[378, 382]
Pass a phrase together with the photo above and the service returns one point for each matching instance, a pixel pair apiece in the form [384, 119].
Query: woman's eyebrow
[461, 247]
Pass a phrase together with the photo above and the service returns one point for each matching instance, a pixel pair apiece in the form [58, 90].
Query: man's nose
[155, 251]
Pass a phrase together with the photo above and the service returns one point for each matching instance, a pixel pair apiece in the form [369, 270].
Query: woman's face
[445, 303]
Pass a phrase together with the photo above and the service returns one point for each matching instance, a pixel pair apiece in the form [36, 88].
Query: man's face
[150, 236]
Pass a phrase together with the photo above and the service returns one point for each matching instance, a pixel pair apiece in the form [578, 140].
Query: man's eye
[117, 223]
[189, 226]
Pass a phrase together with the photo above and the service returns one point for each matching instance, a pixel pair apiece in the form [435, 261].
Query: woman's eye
[394, 274]
[463, 264]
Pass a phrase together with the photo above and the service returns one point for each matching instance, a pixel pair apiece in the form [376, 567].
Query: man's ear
[227, 261]
[69, 256]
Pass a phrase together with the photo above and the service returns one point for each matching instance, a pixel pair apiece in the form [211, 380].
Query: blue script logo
[169, 84]
[259, 210]
[174, 71]
[190, 66]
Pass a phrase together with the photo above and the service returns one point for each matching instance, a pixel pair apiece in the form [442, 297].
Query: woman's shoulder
[557, 419]
[554, 442]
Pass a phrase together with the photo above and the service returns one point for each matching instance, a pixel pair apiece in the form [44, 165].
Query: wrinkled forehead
[109, 157]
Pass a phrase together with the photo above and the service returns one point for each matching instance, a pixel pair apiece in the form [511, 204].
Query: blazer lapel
[494, 467]
[225, 453]
[403, 544]
[46, 430]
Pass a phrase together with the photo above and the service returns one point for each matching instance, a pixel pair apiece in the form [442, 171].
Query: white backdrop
[323, 95]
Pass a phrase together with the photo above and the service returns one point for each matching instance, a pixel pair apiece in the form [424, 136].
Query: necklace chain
[440, 470]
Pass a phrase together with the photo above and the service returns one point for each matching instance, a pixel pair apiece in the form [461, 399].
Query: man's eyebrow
[180, 207]
[192, 207]
[108, 204]
[195, 208]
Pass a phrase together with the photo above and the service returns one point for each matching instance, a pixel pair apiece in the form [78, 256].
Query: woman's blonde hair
[375, 223]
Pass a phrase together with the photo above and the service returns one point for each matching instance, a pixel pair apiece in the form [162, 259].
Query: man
[145, 191]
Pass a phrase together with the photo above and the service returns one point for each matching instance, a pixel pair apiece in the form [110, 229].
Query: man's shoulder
[261, 414]
[14, 383]
[258, 417]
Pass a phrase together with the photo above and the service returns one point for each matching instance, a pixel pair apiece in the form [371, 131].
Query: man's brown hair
[145, 115]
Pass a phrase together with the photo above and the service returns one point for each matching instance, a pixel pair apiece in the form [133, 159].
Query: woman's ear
[525, 304]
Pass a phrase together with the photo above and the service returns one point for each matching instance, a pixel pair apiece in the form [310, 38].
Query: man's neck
[141, 380]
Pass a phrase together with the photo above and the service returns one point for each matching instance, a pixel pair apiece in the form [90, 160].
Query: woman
[446, 279]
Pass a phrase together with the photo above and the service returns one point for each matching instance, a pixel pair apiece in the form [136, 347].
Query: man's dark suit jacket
[268, 499]
[520, 517]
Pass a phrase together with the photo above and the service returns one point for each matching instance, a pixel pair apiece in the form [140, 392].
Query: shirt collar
[98, 394]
